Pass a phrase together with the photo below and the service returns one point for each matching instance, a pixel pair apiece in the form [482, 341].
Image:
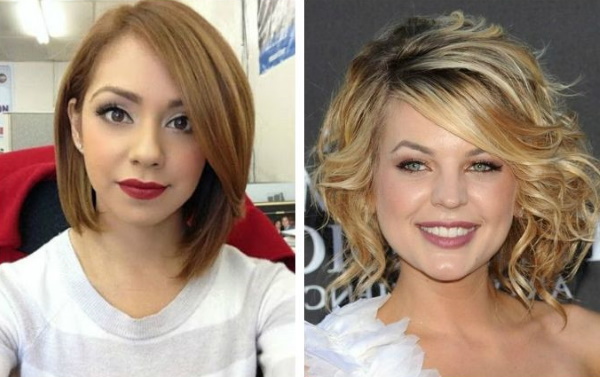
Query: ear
[75, 120]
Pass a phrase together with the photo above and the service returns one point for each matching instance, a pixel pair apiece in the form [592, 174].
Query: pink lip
[448, 242]
[141, 190]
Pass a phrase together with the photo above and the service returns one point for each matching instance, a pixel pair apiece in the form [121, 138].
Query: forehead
[402, 122]
[130, 63]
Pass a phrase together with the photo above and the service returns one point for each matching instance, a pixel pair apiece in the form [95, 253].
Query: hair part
[218, 102]
[487, 88]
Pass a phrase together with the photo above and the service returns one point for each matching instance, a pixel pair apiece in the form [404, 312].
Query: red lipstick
[141, 190]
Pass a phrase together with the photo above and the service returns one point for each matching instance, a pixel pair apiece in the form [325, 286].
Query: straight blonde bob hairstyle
[487, 88]
[218, 102]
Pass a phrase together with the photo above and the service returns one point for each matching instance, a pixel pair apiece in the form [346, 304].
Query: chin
[450, 273]
[446, 277]
[140, 219]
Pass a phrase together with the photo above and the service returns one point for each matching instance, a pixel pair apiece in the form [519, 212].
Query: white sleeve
[8, 337]
[276, 334]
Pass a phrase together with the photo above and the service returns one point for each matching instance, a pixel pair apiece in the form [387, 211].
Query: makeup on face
[143, 159]
[142, 190]
[444, 205]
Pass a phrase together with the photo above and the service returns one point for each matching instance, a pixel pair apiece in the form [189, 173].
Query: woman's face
[140, 153]
[444, 205]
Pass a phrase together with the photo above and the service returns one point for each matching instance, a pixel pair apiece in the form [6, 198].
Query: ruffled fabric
[352, 342]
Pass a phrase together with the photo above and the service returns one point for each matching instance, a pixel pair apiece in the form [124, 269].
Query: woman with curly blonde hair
[154, 127]
[448, 145]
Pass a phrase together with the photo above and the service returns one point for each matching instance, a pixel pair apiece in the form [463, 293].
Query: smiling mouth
[445, 232]
[448, 236]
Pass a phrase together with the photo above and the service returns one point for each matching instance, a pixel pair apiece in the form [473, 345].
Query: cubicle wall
[26, 130]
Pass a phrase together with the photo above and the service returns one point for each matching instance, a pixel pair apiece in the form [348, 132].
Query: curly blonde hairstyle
[480, 84]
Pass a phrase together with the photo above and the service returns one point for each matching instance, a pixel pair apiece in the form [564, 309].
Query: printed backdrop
[276, 32]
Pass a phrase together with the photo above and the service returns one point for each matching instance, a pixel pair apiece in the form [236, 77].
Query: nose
[146, 146]
[450, 190]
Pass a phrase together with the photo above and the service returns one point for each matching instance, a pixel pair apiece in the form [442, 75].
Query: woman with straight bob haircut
[154, 128]
[449, 147]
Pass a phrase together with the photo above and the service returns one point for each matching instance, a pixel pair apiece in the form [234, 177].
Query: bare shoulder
[580, 336]
[583, 324]
[580, 321]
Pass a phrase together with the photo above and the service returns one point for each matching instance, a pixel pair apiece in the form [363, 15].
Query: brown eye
[117, 115]
[114, 114]
[181, 123]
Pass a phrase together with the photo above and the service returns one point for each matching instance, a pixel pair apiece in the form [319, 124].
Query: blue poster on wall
[5, 98]
[276, 32]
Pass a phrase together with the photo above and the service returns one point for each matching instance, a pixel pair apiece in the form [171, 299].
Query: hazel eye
[180, 123]
[483, 167]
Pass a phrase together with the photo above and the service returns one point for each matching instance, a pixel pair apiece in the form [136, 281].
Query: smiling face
[444, 205]
[140, 153]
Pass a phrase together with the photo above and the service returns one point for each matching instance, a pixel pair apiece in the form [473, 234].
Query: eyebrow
[411, 145]
[131, 96]
[428, 151]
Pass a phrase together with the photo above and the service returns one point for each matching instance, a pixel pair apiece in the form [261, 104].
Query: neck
[122, 250]
[443, 307]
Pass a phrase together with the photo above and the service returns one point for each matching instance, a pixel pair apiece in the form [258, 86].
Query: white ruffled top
[352, 342]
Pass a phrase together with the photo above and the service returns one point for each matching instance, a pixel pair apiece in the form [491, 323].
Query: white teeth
[453, 232]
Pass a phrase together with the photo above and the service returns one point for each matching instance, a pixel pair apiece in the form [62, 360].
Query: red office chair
[30, 212]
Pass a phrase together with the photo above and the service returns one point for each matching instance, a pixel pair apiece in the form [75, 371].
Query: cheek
[98, 139]
[197, 160]
[499, 199]
[100, 157]
[393, 191]
[396, 200]
[190, 161]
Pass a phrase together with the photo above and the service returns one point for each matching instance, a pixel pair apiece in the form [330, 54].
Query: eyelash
[187, 129]
[489, 166]
[103, 110]
[404, 166]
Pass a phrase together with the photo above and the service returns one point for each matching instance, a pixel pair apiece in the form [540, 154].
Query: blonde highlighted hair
[480, 84]
[218, 102]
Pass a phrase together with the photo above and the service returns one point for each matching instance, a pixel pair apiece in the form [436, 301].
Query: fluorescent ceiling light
[54, 15]
[32, 20]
